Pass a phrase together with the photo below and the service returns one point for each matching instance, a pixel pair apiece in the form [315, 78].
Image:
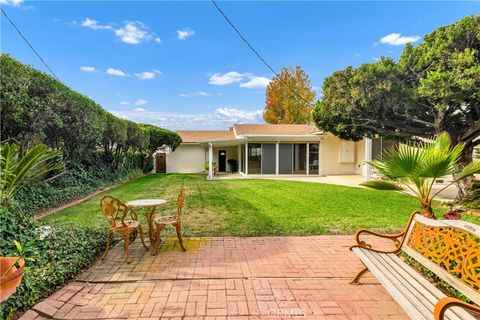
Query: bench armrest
[396, 238]
[443, 304]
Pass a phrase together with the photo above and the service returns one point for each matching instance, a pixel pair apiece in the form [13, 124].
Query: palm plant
[16, 171]
[417, 166]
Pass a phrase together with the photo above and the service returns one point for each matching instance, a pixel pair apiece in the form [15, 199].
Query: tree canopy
[36, 108]
[434, 87]
[286, 106]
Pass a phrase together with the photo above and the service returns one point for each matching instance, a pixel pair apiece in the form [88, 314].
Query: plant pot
[10, 281]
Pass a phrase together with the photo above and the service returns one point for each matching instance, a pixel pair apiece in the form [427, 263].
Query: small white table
[149, 206]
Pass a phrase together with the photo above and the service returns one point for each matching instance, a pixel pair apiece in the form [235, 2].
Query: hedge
[37, 108]
[59, 257]
[80, 179]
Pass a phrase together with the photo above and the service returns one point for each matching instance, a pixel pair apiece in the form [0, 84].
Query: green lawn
[257, 207]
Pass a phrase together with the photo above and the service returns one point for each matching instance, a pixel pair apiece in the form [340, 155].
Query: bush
[94, 172]
[59, 257]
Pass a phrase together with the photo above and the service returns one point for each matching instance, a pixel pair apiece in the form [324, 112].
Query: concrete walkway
[220, 278]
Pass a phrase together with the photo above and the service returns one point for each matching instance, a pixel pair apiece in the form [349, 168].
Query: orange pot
[10, 281]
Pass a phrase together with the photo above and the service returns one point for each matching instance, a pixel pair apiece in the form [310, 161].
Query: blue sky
[180, 65]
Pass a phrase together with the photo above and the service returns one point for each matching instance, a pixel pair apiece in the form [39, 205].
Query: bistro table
[149, 206]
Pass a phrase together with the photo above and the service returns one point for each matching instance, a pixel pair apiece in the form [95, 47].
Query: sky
[179, 65]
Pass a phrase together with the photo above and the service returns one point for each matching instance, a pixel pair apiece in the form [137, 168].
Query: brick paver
[225, 278]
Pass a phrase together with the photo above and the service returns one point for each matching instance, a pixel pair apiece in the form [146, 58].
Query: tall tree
[292, 103]
[434, 87]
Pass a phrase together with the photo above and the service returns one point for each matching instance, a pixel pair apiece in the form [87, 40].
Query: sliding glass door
[268, 158]
[300, 158]
[254, 158]
[313, 158]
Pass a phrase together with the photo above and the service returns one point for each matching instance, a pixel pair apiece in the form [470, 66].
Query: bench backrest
[448, 248]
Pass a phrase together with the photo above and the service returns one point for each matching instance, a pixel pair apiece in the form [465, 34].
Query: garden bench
[448, 248]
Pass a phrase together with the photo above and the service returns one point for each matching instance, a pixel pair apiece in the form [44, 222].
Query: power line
[31, 47]
[256, 52]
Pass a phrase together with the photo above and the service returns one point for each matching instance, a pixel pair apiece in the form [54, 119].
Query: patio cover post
[308, 159]
[367, 174]
[246, 158]
[210, 161]
[277, 158]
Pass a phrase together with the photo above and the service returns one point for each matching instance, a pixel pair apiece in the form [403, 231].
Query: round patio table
[149, 206]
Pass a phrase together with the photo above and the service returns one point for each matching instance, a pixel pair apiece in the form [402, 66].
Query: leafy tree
[158, 137]
[434, 87]
[18, 171]
[420, 165]
[282, 104]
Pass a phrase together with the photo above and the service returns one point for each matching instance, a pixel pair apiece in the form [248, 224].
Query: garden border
[69, 203]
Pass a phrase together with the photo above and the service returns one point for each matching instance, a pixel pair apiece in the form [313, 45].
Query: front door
[222, 160]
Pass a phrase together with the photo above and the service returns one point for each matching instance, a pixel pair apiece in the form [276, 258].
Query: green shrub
[81, 178]
[59, 256]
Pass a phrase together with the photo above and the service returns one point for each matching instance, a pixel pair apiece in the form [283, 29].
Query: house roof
[196, 136]
[193, 136]
[274, 129]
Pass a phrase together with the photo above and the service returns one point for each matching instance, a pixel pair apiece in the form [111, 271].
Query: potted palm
[11, 271]
[417, 166]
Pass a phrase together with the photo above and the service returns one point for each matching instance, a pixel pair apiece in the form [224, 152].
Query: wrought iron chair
[115, 211]
[162, 221]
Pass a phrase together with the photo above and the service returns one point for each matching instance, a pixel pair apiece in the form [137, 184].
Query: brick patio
[220, 278]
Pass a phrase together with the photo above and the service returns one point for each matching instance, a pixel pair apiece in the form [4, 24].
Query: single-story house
[267, 149]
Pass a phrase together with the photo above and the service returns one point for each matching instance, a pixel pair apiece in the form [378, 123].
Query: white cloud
[134, 32]
[221, 118]
[94, 25]
[376, 59]
[247, 80]
[116, 72]
[357, 54]
[226, 78]
[15, 3]
[88, 69]
[140, 110]
[147, 75]
[396, 39]
[198, 93]
[140, 102]
[184, 34]
[256, 82]
[237, 114]
[124, 103]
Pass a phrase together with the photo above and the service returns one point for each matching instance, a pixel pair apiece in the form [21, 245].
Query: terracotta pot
[10, 281]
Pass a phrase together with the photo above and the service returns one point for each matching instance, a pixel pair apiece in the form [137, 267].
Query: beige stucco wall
[186, 159]
[191, 158]
[331, 164]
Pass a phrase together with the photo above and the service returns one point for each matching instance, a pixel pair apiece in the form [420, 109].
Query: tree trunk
[427, 210]
[464, 186]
